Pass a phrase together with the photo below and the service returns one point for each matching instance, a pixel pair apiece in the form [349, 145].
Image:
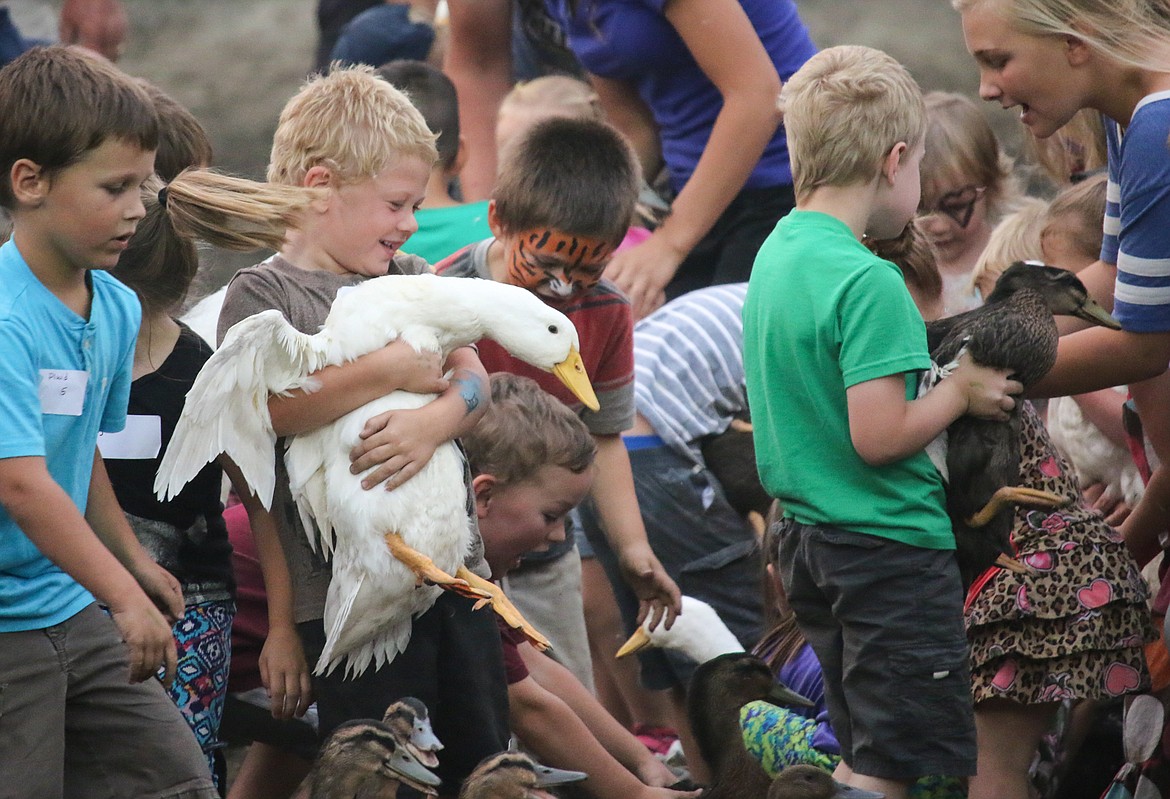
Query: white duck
[383, 544]
[697, 632]
[1092, 455]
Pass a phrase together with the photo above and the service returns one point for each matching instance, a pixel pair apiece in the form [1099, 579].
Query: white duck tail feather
[347, 637]
[227, 408]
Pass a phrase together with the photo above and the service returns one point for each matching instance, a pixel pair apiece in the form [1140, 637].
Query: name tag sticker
[140, 439]
[62, 391]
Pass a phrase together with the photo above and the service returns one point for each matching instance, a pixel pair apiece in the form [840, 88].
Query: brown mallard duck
[718, 689]
[366, 758]
[514, 775]
[411, 722]
[1014, 330]
[810, 782]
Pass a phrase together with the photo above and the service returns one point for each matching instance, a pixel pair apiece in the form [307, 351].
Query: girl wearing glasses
[967, 185]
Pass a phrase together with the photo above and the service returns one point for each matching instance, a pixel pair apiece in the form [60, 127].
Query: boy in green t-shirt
[832, 347]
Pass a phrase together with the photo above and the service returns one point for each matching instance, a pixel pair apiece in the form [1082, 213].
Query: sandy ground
[235, 63]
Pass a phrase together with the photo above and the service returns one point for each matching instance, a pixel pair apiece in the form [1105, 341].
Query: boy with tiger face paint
[564, 200]
[554, 265]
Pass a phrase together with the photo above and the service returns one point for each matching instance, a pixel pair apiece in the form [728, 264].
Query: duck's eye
[552, 329]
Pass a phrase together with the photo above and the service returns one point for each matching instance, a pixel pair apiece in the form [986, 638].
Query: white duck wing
[227, 407]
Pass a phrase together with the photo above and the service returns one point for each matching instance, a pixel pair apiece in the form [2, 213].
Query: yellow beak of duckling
[571, 372]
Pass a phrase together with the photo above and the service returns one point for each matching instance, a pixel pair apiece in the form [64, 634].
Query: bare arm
[479, 63]
[348, 386]
[627, 112]
[720, 36]
[548, 726]
[1095, 358]
[886, 427]
[403, 441]
[283, 668]
[619, 742]
[617, 505]
[47, 515]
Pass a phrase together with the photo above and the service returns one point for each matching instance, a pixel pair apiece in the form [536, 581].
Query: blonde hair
[961, 150]
[350, 121]
[554, 95]
[161, 261]
[1082, 208]
[1077, 149]
[844, 110]
[1131, 32]
[1015, 238]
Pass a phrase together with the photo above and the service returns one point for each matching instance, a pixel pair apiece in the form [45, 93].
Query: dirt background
[235, 63]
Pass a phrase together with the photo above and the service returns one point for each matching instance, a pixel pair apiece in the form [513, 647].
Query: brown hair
[524, 429]
[577, 176]
[60, 103]
[783, 639]
[433, 94]
[182, 141]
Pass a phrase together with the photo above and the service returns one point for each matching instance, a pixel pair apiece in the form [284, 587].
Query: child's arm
[47, 515]
[108, 521]
[886, 427]
[283, 668]
[1151, 518]
[619, 742]
[548, 726]
[617, 505]
[343, 388]
[403, 441]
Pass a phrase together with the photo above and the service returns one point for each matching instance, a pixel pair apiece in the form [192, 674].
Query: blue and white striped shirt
[688, 366]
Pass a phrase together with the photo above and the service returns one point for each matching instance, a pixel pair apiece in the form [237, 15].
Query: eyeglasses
[959, 204]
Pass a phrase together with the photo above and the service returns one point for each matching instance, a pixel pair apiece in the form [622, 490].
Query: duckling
[697, 632]
[514, 775]
[364, 758]
[1014, 330]
[384, 544]
[718, 689]
[411, 722]
[810, 782]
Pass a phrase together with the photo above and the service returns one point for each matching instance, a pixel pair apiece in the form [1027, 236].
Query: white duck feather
[372, 596]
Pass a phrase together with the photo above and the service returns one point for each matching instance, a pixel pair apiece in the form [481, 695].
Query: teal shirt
[822, 314]
[442, 231]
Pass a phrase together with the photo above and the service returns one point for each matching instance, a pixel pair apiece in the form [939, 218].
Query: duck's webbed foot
[427, 572]
[1015, 495]
[503, 607]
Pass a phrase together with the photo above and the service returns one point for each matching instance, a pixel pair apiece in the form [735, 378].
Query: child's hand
[285, 673]
[147, 635]
[654, 772]
[642, 272]
[161, 587]
[399, 444]
[419, 372]
[989, 392]
[657, 593]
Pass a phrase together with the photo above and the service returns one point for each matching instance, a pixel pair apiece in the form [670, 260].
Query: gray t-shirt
[304, 296]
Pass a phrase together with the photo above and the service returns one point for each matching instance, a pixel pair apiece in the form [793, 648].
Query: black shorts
[886, 622]
[454, 663]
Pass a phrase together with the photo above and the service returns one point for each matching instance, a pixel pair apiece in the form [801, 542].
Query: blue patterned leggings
[204, 640]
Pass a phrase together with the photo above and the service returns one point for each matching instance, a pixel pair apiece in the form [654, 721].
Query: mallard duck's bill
[1094, 314]
[571, 372]
[412, 773]
[843, 791]
[784, 695]
[547, 777]
[638, 641]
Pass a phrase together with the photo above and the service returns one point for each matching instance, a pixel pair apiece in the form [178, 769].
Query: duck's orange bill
[571, 372]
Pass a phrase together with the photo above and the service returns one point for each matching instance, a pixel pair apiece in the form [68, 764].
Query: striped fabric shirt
[688, 366]
[1137, 216]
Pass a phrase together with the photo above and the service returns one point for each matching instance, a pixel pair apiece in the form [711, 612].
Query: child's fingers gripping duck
[990, 392]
